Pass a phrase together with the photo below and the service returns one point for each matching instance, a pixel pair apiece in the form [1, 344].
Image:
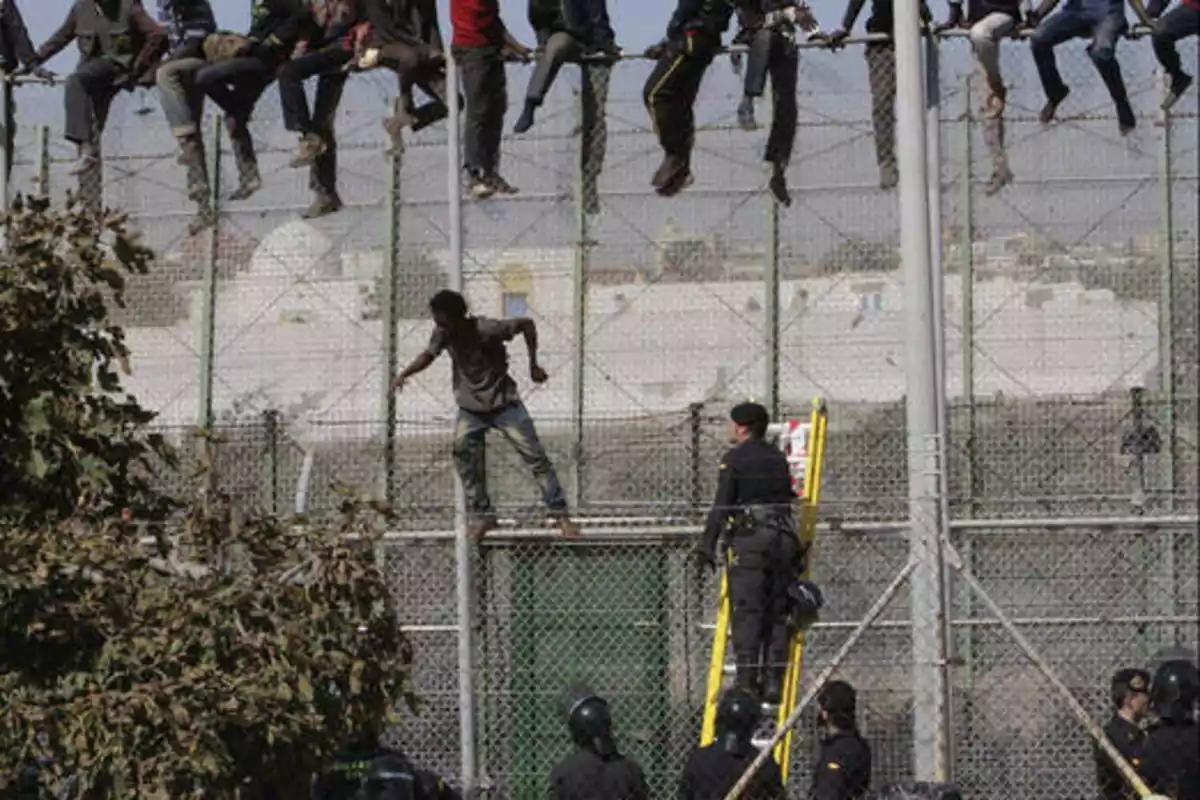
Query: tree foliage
[152, 646]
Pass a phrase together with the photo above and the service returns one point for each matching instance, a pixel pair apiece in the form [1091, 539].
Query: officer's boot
[748, 673]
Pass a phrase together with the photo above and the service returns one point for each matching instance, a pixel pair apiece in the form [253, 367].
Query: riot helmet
[737, 718]
[589, 721]
[1174, 691]
[804, 604]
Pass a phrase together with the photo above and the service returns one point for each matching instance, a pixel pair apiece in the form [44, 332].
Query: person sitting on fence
[187, 23]
[682, 58]
[239, 70]
[989, 21]
[1178, 23]
[1102, 21]
[405, 38]
[566, 31]
[119, 44]
[881, 74]
[481, 43]
[596, 770]
[768, 28]
[336, 29]
[488, 400]
[711, 771]
[18, 56]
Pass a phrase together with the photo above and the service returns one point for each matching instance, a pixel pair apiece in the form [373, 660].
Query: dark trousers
[588, 21]
[881, 73]
[1104, 33]
[670, 94]
[1178, 23]
[486, 87]
[326, 66]
[764, 562]
[236, 86]
[418, 66]
[771, 53]
[88, 96]
[470, 455]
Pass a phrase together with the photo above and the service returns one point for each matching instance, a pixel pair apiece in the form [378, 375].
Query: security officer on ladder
[843, 768]
[596, 770]
[713, 770]
[1130, 699]
[754, 503]
[1171, 754]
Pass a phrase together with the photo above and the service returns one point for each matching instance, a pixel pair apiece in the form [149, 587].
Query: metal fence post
[1167, 355]
[694, 424]
[771, 281]
[270, 421]
[42, 161]
[462, 547]
[6, 153]
[967, 272]
[928, 678]
[579, 307]
[208, 303]
[387, 314]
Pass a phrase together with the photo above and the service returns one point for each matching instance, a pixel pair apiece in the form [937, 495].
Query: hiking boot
[323, 205]
[88, 158]
[525, 121]
[671, 168]
[311, 146]
[478, 185]
[993, 107]
[500, 185]
[778, 186]
[205, 218]
[395, 125]
[745, 115]
[1001, 176]
[677, 184]
[1179, 85]
[248, 184]
[483, 526]
[1046, 116]
[567, 527]
[430, 113]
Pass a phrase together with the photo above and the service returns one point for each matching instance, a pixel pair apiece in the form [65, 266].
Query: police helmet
[1175, 690]
[588, 720]
[804, 604]
[738, 714]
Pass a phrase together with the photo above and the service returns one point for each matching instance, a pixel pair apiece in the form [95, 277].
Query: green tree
[155, 647]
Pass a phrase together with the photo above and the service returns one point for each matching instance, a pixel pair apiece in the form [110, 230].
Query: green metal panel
[595, 615]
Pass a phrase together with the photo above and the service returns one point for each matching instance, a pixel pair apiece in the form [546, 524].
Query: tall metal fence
[1070, 298]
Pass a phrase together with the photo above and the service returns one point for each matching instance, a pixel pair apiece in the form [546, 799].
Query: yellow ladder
[805, 449]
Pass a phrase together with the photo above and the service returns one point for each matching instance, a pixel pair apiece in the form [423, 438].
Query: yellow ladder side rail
[716, 667]
[806, 529]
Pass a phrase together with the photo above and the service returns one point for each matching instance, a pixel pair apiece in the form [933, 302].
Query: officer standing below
[596, 770]
[1171, 754]
[367, 771]
[713, 770]
[843, 768]
[1130, 699]
[754, 503]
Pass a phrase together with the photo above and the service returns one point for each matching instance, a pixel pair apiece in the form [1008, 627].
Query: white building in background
[291, 334]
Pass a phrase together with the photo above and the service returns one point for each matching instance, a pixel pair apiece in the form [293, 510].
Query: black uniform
[586, 775]
[843, 768]
[712, 771]
[693, 39]
[1171, 760]
[383, 774]
[754, 496]
[1128, 738]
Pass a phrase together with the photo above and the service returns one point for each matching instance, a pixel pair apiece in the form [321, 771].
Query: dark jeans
[415, 66]
[771, 53]
[486, 87]
[1104, 33]
[670, 94]
[515, 424]
[88, 96]
[1178, 23]
[588, 21]
[764, 563]
[326, 66]
[236, 86]
[881, 73]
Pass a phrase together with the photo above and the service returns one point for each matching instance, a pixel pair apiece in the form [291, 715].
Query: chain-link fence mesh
[1071, 304]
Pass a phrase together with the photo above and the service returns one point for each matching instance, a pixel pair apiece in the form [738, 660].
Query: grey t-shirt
[481, 380]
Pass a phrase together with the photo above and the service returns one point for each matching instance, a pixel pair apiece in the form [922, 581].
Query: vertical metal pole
[462, 547]
[579, 309]
[208, 310]
[42, 165]
[933, 150]
[1167, 356]
[387, 316]
[694, 411]
[771, 281]
[929, 756]
[6, 154]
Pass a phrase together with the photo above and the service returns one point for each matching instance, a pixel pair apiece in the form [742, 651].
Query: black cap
[1131, 680]
[838, 697]
[749, 414]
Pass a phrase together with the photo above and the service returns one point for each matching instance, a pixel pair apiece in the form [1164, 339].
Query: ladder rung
[761, 742]
[770, 708]
[729, 669]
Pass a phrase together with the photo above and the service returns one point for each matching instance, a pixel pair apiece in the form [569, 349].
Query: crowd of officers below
[290, 42]
[1165, 753]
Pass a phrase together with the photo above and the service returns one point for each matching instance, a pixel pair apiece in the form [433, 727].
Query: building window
[516, 304]
[872, 301]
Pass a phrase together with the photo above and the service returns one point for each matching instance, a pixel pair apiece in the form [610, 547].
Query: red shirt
[476, 23]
